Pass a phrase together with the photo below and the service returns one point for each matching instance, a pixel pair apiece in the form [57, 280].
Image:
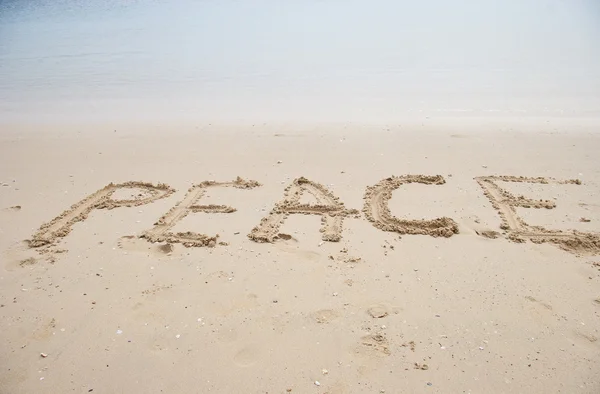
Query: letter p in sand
[61, 226]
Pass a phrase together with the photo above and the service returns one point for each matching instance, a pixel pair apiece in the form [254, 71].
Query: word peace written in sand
[331, 210]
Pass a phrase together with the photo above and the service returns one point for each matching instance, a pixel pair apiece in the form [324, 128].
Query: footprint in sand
[381, 310]
[296, 251]
[378, 311]
[539, 311]
[134, 244]
[324, 316]
[247, 356]
[374, 345]
[471, 224]
[166, 248]
[371, 351]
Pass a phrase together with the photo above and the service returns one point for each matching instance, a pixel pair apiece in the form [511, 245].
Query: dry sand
[294, 259]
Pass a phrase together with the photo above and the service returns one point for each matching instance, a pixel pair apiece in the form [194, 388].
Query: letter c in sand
[378, 213]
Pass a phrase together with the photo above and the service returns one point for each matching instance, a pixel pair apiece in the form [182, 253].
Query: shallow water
[311, 60]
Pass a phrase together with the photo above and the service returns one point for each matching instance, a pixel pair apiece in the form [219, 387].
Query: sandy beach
[322, 197]
[345, 258]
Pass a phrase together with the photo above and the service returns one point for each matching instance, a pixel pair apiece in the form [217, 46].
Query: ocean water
[309, 60]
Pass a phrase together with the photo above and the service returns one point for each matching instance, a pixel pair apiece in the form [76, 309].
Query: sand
[426, 257]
